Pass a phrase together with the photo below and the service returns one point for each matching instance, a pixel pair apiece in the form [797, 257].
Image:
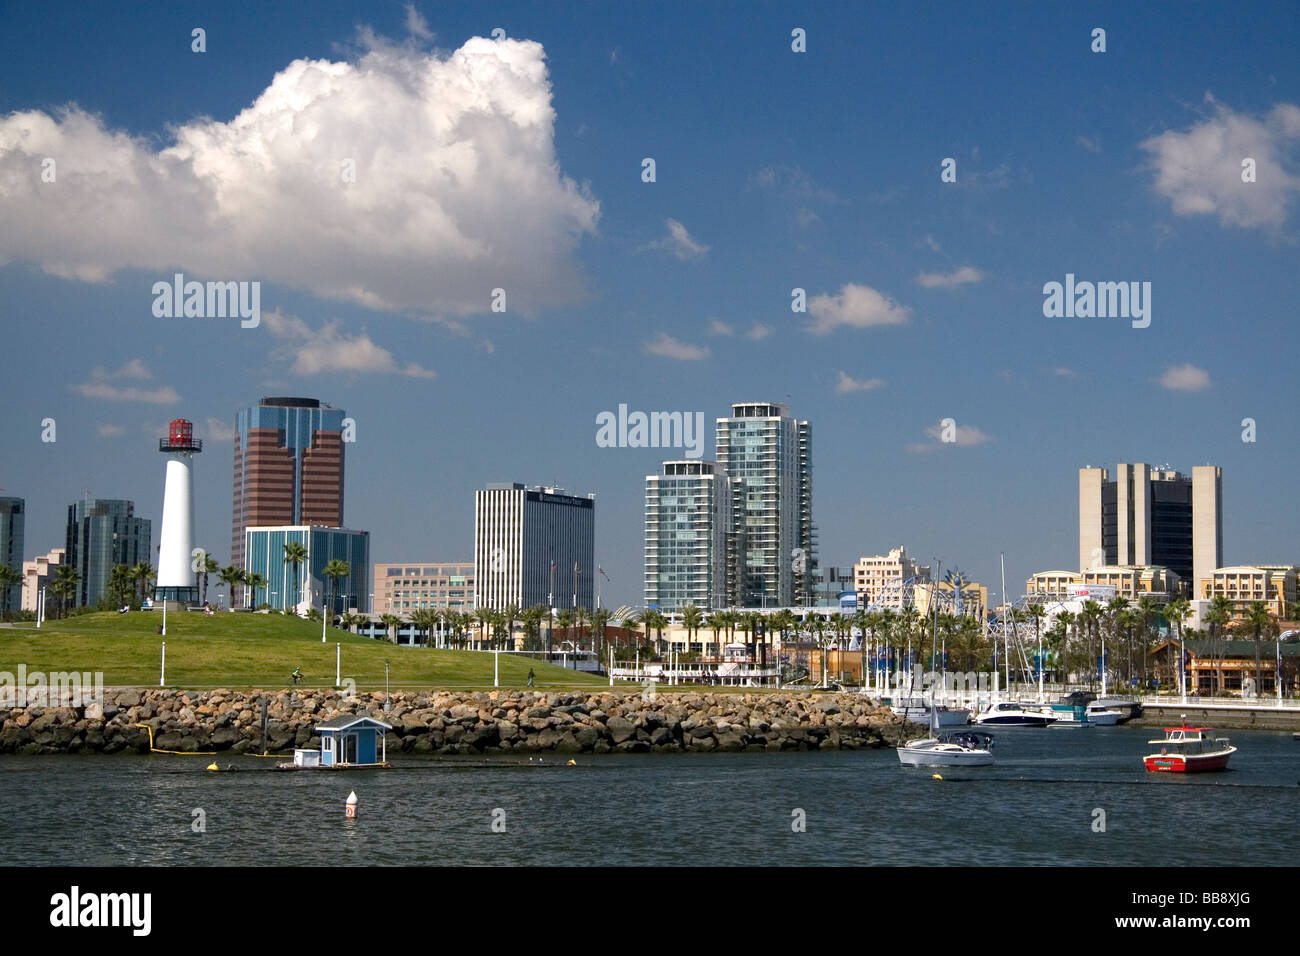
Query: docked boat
[1080, 715]
[1128, 707]
[954, 748]
[918, 710]
[1011, 714]
[1189, 750]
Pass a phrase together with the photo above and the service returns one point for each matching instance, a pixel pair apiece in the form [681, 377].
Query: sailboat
[954, 748]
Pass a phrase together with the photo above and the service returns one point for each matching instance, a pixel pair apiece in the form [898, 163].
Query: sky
[383, 169]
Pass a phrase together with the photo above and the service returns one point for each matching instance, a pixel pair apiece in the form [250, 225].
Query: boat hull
[1015, 721]
[1188, 763]
[914, 756]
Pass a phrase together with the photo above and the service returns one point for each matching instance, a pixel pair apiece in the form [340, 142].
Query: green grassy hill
[254, 650]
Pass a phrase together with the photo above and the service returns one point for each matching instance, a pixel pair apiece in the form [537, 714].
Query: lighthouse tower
[176, 576]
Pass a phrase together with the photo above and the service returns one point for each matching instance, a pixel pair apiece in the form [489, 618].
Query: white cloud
[932, 243]
[679, 242]
[416, 25]
[328, 350]
[215, 429]
[1199, 169]
[945, 280]
[1090, 144]
[857, 306]
[457, 186]
[669, 347]
[758, 331]
[1185, 378]
[963, 436]
[718, 327]
[103, 430]
[1064, 372]
[848, 383]
[101, 386]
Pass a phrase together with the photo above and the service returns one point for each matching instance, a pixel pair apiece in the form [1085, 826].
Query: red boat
[1189, 750]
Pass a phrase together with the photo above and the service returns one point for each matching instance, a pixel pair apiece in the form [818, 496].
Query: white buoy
[352, 804]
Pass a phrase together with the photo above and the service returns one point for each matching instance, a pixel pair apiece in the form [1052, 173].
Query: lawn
[255, 650]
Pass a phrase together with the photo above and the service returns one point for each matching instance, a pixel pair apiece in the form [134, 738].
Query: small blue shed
[349, 741]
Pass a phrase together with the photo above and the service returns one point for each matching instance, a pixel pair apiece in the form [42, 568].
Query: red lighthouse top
[180, 437]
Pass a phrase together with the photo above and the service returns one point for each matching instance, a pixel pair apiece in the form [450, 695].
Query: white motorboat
[918, 710]
[1079, 715]
[958, 748]
[1012, 714]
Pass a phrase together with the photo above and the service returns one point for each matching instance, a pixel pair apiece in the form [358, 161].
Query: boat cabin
[351, 740]
[1190, 740]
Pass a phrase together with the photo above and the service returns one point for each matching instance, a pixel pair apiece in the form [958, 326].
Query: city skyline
[953, 401]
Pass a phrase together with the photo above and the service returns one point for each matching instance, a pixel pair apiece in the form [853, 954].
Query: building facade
[774, 546]
[533, 545]
[101, 533]
[688, 526]
[1273, 585]
[39, 573]
[876, 578]
[288, 467]
[402, 588]
[307, 585]
[1149, 516]
[12, 524]
[1160, 584]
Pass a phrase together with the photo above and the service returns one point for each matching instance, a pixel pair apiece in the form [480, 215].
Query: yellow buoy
[213, 766]
[573, 763]
[935, 776]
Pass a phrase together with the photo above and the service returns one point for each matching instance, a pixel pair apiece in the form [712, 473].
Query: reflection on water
[1036, 805]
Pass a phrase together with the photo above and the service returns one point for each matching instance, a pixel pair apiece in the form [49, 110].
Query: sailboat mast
[1006, 609]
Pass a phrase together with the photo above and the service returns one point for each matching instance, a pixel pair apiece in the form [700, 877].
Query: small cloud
[613, 56]
[1064, 372]
[101, 386]
[758, 331]
[416, 25]
[328, 350]
[1199, 169]
[856, 306]
[679, 242]
[946, 280]
[214, 429]
[932, 243]
[109, 431]
[669, 347]
[964, 436]
[807, 218]
[1185, 378]
[718, 327]
[848, 384]
[1091, 145]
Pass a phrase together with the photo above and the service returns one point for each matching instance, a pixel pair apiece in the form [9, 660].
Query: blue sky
[818, 170]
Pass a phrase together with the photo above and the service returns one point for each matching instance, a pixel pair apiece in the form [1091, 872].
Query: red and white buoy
[352, 804]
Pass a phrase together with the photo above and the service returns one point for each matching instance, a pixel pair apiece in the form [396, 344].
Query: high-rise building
[533, 544]
[288, 467]
[769, 453]
[11, 548]
[688, 523]
[307, 585]
[1152, 516]
[103, 532]
[402, 588]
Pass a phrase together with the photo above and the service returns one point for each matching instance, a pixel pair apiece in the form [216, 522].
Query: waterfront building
[11, 547]
[307, 586]
[774, 542]
[102, 533]
[402, 588]
[288, 467]
[1152, 516]
[876, 578]
[1273, 584]
[1234, 659]
[39, 573]
[533, 545]
[1104, 583]
[688, 526]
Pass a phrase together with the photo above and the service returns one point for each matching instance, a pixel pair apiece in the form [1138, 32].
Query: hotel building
[769, 455]
[101, 533]
[402, 588]
[1275, 585]
[1130, 582]
[288, 467]
[1152, 516]
[688, 527]
[533, 544]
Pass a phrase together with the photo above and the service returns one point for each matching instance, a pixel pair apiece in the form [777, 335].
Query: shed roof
[344, 721]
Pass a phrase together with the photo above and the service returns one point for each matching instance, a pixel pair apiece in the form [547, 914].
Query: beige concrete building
[1275, 585]
[1052, 585]
[1130, 582]
[873, 575]
[39, 573]
[974, 598]
[402, 588]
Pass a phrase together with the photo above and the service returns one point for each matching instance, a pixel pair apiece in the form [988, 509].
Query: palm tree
[391, 622]
[255, 582]
[692, 618]
[580, 617]
[144, 573]
[1217, 617]
[230, 576]
[294, 554]
[209, 566]
[334, 570]
[564, 621]
[599, 620]
[1175, 613]
[532, 618]
[1261, 622]
[715, 623]
[511, 613]
[119, 584]
[426, 619]
[1147, 608]
[65, 585]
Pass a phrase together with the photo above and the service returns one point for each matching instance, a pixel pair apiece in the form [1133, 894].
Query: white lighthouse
[176, 575]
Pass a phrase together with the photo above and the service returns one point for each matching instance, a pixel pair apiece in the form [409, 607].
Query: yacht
[1012, 714]
[954, 748]
[1081, 715]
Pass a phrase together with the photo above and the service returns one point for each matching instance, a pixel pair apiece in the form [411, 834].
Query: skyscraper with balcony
[774, 542]
[1152, 516]
[101, 533]
[288, 467]
[688, 526]
[527, 538]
